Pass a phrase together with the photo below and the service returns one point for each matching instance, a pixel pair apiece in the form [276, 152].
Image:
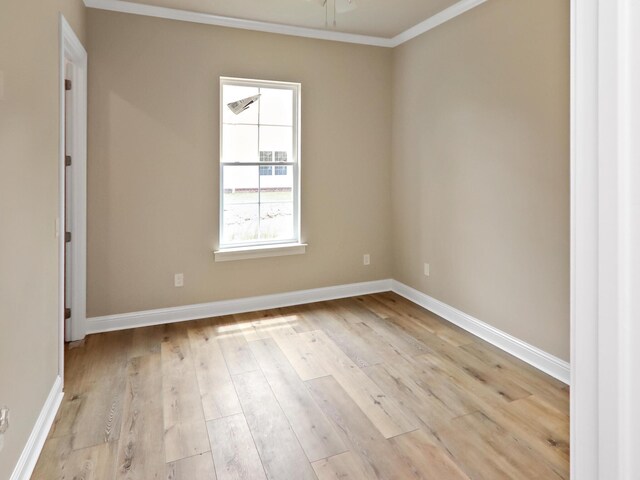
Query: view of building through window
[259, 181]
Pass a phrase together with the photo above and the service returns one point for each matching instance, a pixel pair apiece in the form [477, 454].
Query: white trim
[31, 452]
[229, 307]
[252, 249]
[432, 22]
[71, 50]
[247, 253]
[209, 19]
[584, 239]
[605, 389]
[534, 356]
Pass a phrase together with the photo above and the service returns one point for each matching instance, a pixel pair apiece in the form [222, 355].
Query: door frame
[605, 240]
[72, 51]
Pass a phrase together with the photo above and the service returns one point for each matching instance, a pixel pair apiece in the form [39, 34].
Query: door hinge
[67, 160]
[67, 237]
[67, 313]
[67, 84]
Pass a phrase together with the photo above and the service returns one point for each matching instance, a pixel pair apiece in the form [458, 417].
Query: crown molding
[230, 22]
[209, 19]
[436, 20]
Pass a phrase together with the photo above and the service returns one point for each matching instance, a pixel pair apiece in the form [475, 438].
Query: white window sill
[247, 253]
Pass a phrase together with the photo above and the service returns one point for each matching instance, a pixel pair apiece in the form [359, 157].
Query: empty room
[319, 239]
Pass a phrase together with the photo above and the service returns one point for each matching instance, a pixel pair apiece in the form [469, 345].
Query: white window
[259, 163]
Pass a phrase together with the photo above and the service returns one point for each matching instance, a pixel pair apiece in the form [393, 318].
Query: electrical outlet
[178, 280]
[426, 270]
[366, 259]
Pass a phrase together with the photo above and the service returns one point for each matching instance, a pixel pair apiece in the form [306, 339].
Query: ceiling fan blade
[343, 6]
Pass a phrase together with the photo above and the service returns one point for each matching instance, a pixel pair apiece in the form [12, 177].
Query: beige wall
[153, 161]
[29, 127]
[480, 167]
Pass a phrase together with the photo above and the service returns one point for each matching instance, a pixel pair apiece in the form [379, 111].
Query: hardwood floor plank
[433, 403]
[388, 352]
[538, 383]
[67, 416]
[236, 352]
[404, 342]
[450, 358]
[461, 392]
[300, 353]
[358, 433]
[147, 340]
[349, 309]
[541, 426]
[185, 432]
[254, 324]
[374, 306]
[291, 317]
[101, 387]
[345, 466]
[99, 417]
[217, 392]
[280, 452]
[383, 411]
[339, 330]
[426, 459]
[58, 461]
[198, 467]
[75, 366]
[449, 332]
[502, 385]
[234, 453]
[139, 457]
[485, 450]
[314, 432]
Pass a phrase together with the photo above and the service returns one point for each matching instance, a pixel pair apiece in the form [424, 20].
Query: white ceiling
[378, 18]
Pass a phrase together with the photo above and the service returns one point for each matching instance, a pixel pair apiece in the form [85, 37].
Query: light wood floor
[371, 387]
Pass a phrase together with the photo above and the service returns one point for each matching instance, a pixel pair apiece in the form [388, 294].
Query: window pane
[241, 204]
[277, 188]
[233, 93]
[241, 184]
[239, 143]
[276, 106]
[276, 221]
[278, 140]
[241, 223]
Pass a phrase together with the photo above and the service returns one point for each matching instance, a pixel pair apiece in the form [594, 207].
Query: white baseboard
[532, 355]
[31, 452]
[228, 307]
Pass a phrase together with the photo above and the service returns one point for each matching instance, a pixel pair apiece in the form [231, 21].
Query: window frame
[294, 163]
